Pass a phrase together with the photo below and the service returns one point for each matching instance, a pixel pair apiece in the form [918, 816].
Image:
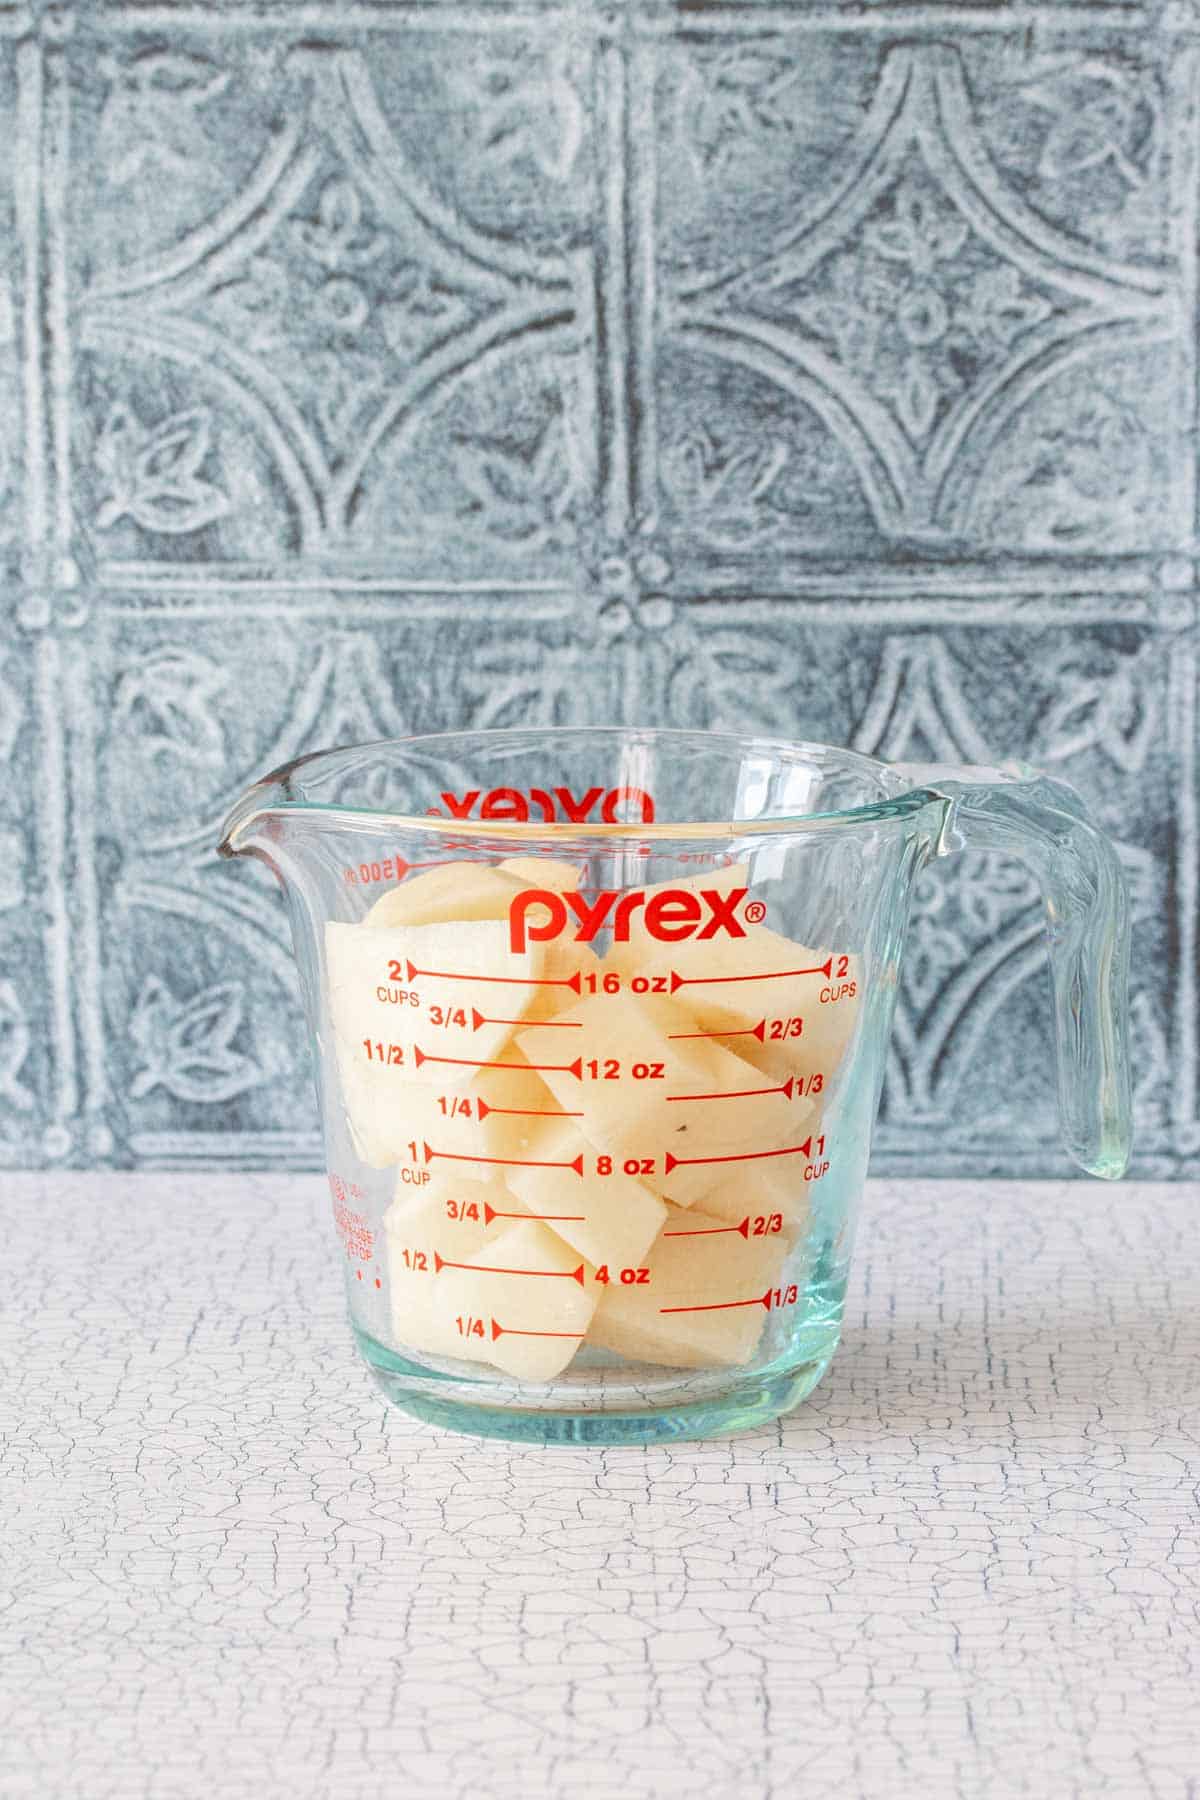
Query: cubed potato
[459, 1014]
[719, 879]
[829, 1016]
[611, 1219]
[706, 1301]
[459, 891]
[686, 1141]
[386, 1046]
[540, 1295]
[450, 1214]
[711, 981]
[419, 1233]
[453, 890]
[566, 966]
[492, 1118]
[758, 1189]
[542, 872]
[748, 1135]
[520, 1300]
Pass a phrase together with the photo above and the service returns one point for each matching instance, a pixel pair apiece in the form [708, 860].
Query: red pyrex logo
[551, 806]
[669, 915]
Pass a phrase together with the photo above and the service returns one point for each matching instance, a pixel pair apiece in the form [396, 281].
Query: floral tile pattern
[353, 332]
[816, 372]
[992, 380]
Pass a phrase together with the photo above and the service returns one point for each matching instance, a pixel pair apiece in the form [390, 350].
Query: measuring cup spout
[1046, 824]
[255, 823]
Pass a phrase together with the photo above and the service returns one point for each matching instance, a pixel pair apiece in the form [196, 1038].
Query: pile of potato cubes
[583, 1154]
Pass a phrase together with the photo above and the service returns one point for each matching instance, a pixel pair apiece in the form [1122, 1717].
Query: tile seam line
[85, 813]
[1184, 675]
[53, 843]
[352, 19]
[55, 184]
[615, 293]
[28, 203]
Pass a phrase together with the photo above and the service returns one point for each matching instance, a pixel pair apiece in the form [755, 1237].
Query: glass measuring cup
[600, 1019]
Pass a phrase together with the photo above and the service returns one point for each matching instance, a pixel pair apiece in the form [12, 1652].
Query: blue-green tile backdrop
[369, 368]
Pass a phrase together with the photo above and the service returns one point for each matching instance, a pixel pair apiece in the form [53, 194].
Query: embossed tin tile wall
[372, 368]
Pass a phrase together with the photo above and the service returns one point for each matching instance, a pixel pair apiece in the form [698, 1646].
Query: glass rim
[888, 809]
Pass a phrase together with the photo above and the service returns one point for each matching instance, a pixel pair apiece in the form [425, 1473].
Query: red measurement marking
[675, 1162]
[468, 1062]
[759, 1031]
[391, 868]
[713, 1231]
[678, 981]
[441, 1262]
[763, 1300]
[740, 1093]
[508, 1162]
[490, 1213]
[357, 1238]
[524, 1112]
[478, 1019]
[499, 1330]
[571, 981]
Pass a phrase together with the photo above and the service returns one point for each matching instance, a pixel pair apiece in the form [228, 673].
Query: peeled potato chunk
[372, 972]
[829, 1015]
[723, 1283]
[542, 872]
[667, 1120]
[565, 968]
[520, 1299]
[611, 1219]
[419, 1233]
[713, 982]
[386, 1046]
[448, 1214]
[564, 961]
[453, 890]
[481, 1127]
[539, 1318]
[719, 879]
[496, 1115]
[759, 1190]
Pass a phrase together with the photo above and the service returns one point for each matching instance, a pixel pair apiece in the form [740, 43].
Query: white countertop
[970, 1565]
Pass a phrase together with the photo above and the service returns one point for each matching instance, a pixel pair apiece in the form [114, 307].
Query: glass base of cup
[741, 1405]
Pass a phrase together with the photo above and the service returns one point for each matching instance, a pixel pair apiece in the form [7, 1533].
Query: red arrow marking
[403, 868]
[571, 981]
[758, 1031]
[478, 1019]
[763, 1300]
[442, 1262]
[739, 1093]
[675, 1162]
[706, 1231]
[490, 1213]
[524, 1112]
[469, 1062]
[510, 1331]
[678, 981]
[508, 1162]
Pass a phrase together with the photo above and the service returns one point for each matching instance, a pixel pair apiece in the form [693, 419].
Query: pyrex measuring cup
[600, 1020]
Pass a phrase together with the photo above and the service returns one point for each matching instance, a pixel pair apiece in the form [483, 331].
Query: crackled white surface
[969, 1566]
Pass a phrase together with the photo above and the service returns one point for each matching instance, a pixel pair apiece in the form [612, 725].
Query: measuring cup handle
[1046, 824]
